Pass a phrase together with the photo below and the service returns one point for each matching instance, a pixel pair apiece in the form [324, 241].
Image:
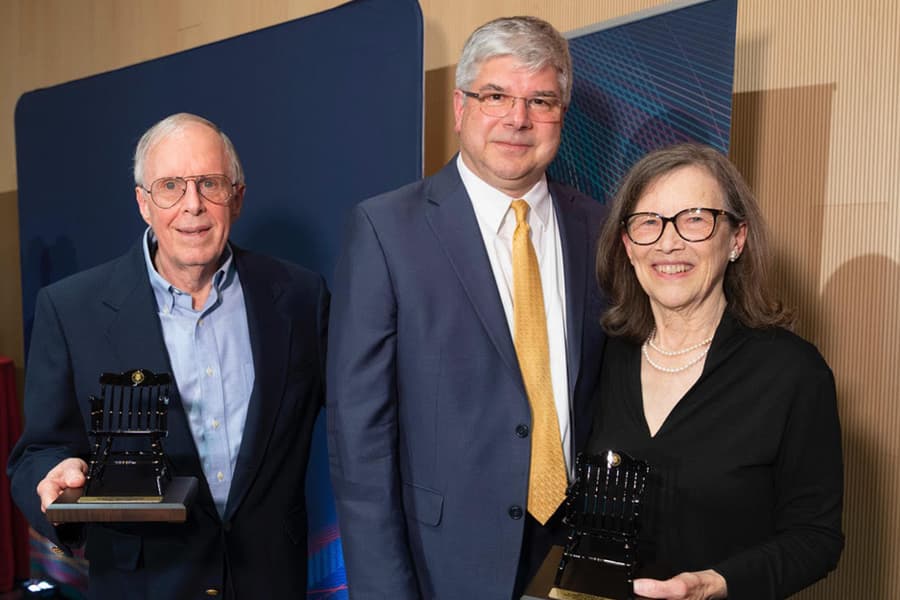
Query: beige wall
[816, 132]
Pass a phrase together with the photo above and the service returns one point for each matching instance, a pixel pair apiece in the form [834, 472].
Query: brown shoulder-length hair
[747, 288]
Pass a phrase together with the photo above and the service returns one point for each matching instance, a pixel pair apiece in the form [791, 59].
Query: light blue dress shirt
[209, 350]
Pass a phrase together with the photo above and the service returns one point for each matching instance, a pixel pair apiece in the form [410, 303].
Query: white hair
[170, 125]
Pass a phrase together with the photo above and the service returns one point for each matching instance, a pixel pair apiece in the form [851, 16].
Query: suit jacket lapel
[450, 214]
[575, 247]
[270, 333]
[135, 336]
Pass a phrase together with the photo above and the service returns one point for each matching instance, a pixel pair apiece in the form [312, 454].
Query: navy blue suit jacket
[105, 319]
[427, 413]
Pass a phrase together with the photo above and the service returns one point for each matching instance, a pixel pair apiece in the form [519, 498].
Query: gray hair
[170, 125]
[533, 42]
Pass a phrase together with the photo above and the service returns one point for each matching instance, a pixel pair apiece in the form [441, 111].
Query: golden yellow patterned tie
[547, 478]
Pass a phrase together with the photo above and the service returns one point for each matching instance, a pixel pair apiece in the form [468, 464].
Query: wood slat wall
[816, 132]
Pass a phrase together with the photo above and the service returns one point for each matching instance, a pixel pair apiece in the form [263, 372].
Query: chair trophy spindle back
[132, 406]
[603, 504]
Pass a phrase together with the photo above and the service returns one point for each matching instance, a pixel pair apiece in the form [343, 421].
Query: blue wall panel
[324, 111]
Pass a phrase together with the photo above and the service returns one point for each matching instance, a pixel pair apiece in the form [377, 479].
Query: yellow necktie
[547, 478]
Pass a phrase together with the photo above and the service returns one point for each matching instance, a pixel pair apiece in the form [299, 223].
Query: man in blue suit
[446, 472]
[243, 335]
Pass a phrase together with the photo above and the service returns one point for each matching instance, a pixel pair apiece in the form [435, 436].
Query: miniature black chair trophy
[602, 507]
[128, 423]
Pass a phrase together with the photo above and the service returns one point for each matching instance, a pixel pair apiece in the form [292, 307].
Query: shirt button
[522, 430]
[199, 322]
[221, 477]
[57, 550]
[515, 511]
[215, 423]
[209, 371]
[166, 310]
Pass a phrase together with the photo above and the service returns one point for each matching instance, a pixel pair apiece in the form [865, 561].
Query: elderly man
[243, 336]
[465, 342]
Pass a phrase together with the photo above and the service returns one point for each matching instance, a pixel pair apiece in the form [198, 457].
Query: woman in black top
[736, 415]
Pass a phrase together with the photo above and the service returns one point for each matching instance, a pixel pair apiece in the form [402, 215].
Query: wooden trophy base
[73, 507]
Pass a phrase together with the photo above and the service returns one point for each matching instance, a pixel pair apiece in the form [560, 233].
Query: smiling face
[680, 276]
[192, 233]
[510, 153]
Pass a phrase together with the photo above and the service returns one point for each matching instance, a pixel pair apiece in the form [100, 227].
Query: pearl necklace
[705, 342]
[683, 367]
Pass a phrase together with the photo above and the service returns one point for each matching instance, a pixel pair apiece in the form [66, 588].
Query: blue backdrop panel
[653, 79]
[324, 111]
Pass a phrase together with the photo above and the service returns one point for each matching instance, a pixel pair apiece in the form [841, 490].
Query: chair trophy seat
[128, 424]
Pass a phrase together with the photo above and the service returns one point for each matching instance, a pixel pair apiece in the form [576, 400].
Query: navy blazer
[427, 413]
[105, 319]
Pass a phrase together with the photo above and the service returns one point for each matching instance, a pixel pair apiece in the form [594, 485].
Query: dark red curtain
[13, 531]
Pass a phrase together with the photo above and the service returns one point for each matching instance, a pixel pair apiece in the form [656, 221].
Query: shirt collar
[164, 291]
[493, 205]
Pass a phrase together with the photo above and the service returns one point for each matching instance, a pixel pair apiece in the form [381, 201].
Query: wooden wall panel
[10, 290]
[859, 336]
[440, 139]
[11, 65]
[779, 142]
[855, 47]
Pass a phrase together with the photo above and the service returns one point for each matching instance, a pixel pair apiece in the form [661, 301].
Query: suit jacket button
[212, 592]
[522, 430]
[515, 511]
[226, 526]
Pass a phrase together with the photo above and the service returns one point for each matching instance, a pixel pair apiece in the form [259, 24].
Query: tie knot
[521, 208]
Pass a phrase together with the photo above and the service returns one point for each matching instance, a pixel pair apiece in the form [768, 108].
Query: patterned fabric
[547, 477]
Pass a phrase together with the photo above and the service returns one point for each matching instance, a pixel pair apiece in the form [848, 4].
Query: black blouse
[746, 471]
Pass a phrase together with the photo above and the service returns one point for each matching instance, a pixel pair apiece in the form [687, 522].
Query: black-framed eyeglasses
[691, 224]
[543, 109]
[167, 191]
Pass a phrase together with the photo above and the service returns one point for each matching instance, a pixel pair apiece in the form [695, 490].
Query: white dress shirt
[497, 222]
